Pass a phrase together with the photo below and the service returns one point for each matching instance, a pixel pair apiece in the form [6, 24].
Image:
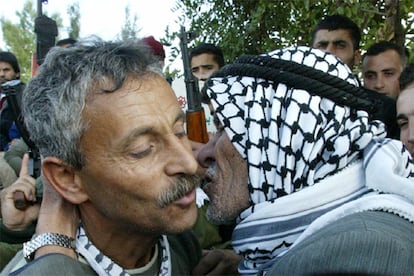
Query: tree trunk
[393, 22]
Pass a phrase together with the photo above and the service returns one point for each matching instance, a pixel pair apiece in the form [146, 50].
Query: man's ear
[64, 179]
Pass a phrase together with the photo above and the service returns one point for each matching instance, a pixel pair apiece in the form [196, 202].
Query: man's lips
[187, 199]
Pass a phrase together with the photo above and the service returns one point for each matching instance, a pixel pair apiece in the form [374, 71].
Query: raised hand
[17, 219]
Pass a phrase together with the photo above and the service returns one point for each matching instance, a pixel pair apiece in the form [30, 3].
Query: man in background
[338, 35]
[382, 65]
[405, 108]
[9, 70]
[205, 60]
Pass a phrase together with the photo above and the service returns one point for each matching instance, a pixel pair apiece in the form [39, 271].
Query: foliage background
[253, 27]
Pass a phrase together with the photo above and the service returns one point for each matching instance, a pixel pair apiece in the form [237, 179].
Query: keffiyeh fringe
[104, 266]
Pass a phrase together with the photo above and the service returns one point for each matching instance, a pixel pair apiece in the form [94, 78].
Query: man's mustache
[181, 187]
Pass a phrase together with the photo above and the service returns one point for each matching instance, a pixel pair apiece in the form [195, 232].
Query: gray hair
[54, 99]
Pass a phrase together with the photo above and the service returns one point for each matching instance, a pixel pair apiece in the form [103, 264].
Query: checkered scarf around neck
[104, 266]
[293, 135]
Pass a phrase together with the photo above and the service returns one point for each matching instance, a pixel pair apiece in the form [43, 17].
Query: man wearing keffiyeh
[312, 181]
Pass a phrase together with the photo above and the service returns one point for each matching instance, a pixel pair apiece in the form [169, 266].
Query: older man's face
[137, 159]
[226, 178]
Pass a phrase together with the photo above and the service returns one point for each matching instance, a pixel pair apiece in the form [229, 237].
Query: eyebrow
[389, 70]
[369, 72]
[327, 41]
[340, 41]
[318, 42]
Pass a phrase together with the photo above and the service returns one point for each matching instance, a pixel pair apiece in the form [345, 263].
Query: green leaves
[256, 26]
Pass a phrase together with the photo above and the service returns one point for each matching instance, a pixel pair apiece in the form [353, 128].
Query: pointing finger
[24, 170]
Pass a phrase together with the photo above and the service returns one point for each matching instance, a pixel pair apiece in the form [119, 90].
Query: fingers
[24, 184]
[217, 262]
[17, 218]
[23, 191]
[24, 170]
[207, 263]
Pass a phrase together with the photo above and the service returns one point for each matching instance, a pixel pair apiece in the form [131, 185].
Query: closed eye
[181, 134]
[141, 154]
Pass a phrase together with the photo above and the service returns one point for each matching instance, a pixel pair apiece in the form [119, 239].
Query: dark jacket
[376, 243]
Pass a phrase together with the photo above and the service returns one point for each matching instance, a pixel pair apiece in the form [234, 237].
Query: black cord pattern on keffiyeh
[297, 76]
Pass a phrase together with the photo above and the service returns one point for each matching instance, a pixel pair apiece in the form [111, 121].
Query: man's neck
[126, 247]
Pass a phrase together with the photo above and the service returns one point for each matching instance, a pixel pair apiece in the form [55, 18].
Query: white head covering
[290, 138]
[297, 126]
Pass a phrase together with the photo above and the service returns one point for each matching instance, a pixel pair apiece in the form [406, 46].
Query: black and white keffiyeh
[293, 139]
[104, 266]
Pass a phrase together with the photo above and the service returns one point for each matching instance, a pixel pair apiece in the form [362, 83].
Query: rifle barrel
[196, 121]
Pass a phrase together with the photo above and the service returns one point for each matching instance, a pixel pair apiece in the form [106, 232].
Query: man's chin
[184, 221]
[217, 217]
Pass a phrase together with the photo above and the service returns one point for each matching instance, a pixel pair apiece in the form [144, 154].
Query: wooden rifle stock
[196, 120]
[196, 126]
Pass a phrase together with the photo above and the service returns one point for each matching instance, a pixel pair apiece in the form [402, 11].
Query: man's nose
[206, 154]
[330, 48]
[180, 158]
[204, 74]
[379, 82]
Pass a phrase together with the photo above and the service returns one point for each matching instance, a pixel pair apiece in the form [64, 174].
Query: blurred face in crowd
[338, 42]
[226, 178]
[405, 117]
[382, 72]
[7, 72]
[139, 167]
[203, 66]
